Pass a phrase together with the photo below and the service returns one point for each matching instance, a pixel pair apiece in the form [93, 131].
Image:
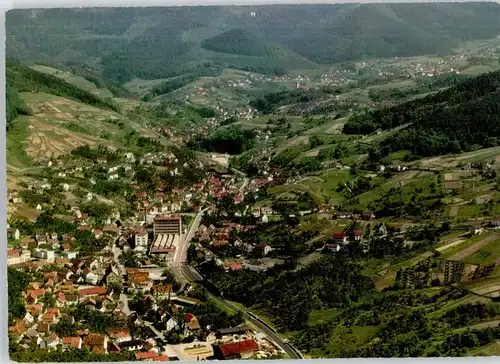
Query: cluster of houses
[86, 284]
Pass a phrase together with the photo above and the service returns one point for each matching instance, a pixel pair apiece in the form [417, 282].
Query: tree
[65, 327]
[315, 141]
[129, 259]
[48, 300]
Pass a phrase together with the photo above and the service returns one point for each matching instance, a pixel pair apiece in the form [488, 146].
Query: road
[157, 333]
[185, 274]
[188, 274]
[123, 297]
[245, 183]
[180, 257]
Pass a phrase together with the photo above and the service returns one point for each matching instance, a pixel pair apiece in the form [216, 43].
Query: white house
[69, 255]
[89, 196]
[17, 256]
[50, 342]
[141, 240]
[39, 207]
[92, 278]
[171, 324]
[44, 254]
[65, 187]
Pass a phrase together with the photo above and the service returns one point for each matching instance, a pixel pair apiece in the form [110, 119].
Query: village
[121, 295]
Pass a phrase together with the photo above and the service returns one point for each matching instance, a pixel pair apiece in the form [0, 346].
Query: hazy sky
[103, 3]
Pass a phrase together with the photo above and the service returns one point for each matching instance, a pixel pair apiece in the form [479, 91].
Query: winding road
[186, 274]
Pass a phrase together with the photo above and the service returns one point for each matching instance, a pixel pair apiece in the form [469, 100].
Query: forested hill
[462, 118]
[164, 42]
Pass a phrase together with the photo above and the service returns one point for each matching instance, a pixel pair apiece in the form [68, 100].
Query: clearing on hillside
[474, 248]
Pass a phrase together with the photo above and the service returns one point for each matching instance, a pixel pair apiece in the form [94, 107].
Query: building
[96, 343]
[69, 255]
[165, 244]
[69, 342]
[131, 345]
[340, 238]
[358, 235]
[13, 234]
[17, 256]
[119, 335]
[44, 254]
[141, 240]
[236, 350]
[167, 225]
[191, 351]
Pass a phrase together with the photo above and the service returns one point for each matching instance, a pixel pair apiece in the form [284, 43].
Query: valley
[259, 197]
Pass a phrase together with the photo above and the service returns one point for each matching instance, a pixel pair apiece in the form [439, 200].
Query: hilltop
[119, 40]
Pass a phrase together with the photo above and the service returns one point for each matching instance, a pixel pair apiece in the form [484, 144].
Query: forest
[232, 140]
[331, 282]
[24, 79]
[306, 34]
[462, 118]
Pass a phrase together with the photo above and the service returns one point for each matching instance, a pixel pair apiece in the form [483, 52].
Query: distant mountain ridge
[125, 43]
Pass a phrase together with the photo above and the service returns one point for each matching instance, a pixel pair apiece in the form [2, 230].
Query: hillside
[48, 117]
[118, 41]
[462, 118]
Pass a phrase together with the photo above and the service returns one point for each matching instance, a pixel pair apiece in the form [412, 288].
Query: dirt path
[474, 248]
[452, 244]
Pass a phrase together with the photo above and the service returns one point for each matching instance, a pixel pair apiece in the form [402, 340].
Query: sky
[105, 3]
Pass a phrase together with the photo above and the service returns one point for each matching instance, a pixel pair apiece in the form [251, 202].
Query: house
[13, 234]
[333, 247]
[50, 342]
[194, 351]
[162, 289]
[61, 299]
[70, 342]
[18, 329]
[97, 234]
[44, 254]
[382, 230]
[358, 235]
[131, 345]
[92, 278]
[42, 327]
[162, 357]
[368, 215]
[18, 256]
[32, 295]
[343, 215]
[238, 350]
[96, 343]
[93, 291]
[146, 355]
[113, 277]
[476, 229]
[141, 240]
[70, 255]
[119, 335]
[495, 224]
[51, 316]
[340, 238]
[192, 322]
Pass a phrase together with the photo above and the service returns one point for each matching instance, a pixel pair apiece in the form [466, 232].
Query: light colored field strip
[474, 248]
[452, 244]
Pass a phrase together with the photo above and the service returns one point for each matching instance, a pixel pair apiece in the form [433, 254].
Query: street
[185, 274]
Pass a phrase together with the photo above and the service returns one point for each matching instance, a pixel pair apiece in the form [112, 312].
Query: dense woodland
[231, 140]
[446, 122]
[23, 79]
[306, 34]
